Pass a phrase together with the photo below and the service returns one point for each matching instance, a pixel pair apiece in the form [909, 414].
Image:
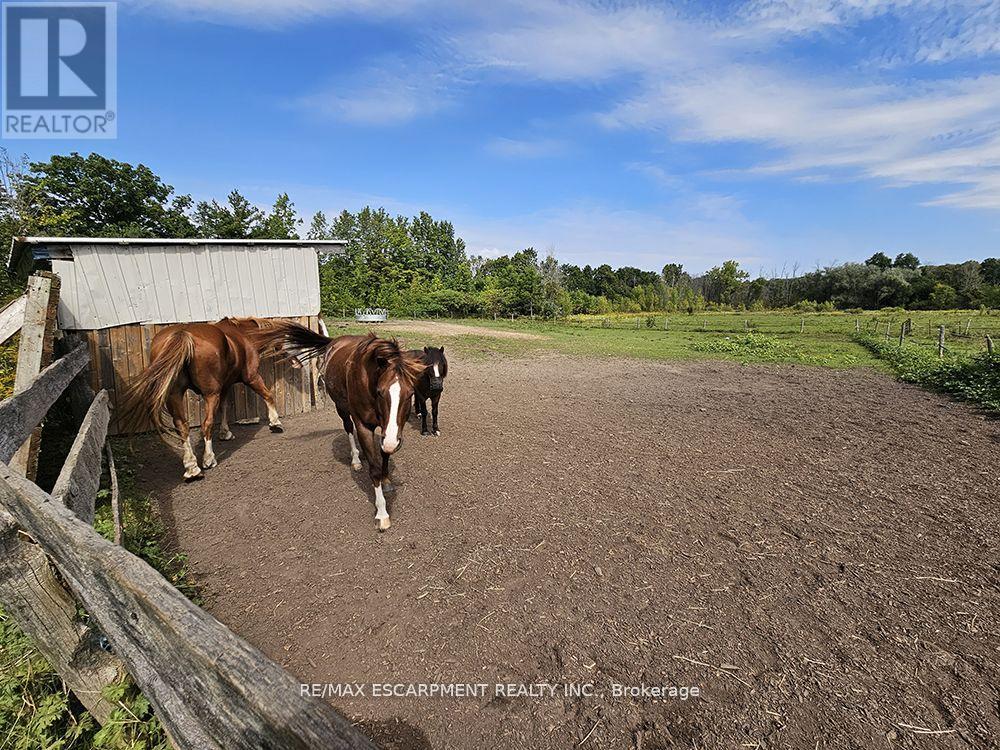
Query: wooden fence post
[989, 345]
[940, 341]
[902, 333]
[802, 325]
[34, 354]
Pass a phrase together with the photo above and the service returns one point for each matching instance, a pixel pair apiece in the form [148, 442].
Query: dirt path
[814, 549]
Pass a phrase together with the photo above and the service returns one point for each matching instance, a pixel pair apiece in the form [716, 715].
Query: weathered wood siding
[118, 355]
[111, 285]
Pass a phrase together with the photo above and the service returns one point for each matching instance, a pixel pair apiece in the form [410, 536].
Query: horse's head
[437, 367]
[396, 376]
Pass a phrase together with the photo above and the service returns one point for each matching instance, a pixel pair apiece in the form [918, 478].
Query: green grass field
[821, 339]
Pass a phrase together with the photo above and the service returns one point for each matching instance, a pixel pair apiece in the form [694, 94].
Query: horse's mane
[408, 365]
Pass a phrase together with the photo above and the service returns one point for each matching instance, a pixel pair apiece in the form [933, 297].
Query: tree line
[418, 266]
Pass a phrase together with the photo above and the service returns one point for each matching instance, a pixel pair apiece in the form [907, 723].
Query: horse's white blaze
[391, 440]
[381, 515]
[437, 371]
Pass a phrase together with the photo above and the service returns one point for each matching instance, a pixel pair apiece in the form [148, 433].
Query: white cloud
[389, 95]
[577, 41]
[515, 148]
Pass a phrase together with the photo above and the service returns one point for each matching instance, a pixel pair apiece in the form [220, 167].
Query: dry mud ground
[815, 549]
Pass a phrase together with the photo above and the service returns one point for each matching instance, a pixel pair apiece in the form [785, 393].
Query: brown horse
[371, 382]
[208, 358]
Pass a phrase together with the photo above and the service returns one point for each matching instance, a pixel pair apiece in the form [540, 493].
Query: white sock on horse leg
[272, 415]
[208, 460]
[381, 515]
[190, 461]
[355, 455]
[224, 432]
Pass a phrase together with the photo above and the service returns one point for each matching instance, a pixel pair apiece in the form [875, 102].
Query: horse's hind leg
[256, 382]
[345, 417]
[211, 404]
[178, 412]
[224, 432]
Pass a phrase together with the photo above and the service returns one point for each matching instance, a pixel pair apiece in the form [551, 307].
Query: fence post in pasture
[665, 319]
[857, 325]
[888, 328]
[80, 477]
[34, 354]
[940, 341]
[704, 325]
[989, 345]
[902, 333]
[968, 326]
[802, 325]
[909, 326]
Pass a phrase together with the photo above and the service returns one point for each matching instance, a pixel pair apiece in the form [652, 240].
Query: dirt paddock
[815, 550]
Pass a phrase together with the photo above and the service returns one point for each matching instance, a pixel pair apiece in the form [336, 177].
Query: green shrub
[973, 378]
[749, 347]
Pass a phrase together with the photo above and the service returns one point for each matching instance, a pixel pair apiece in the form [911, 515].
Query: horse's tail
[291, 338]
[148, 395]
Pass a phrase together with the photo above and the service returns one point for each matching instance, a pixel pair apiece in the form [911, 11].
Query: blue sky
[782, 134]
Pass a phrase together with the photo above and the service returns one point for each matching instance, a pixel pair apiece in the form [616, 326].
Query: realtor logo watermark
[60, 70]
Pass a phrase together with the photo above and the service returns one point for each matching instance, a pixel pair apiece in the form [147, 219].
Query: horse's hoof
[277, 428]
[382, 523]
[357, 466]
[437, 433]
[210, 463]
[227, 436]
[388, 486]
[425, 433]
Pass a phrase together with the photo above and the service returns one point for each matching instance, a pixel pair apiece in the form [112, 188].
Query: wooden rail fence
[208, 687]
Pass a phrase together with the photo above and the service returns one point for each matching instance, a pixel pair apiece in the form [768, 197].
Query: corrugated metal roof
[181, 281]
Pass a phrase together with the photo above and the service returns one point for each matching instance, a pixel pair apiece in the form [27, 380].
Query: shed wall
[107, 285]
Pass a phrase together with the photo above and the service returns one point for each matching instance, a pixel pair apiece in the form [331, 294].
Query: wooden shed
[117, 293]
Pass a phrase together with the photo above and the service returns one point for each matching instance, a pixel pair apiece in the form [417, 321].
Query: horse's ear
[427, 350]
[442, 350]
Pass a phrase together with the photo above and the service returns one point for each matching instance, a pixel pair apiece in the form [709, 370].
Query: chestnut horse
[371, 382]
[208, 358]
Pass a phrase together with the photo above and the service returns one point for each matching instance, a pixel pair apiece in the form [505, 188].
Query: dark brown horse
[371, 382]
[430, 386]
[208, 358]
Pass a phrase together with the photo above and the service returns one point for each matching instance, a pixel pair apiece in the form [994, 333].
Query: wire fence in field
[964, 332]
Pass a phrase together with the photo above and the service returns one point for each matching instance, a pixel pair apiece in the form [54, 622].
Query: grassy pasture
[821, 339]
